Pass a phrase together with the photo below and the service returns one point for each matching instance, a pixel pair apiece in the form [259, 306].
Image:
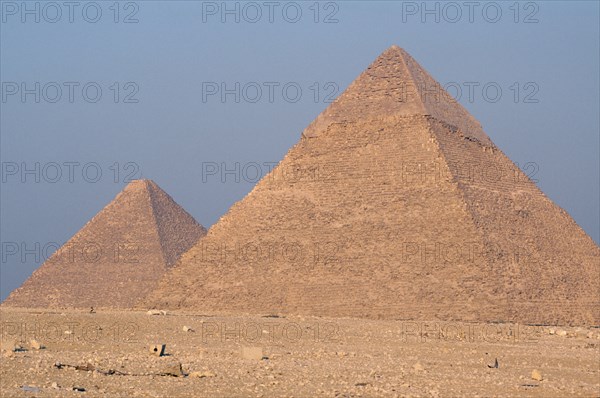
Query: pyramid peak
[140, 181]
[394, 84]
[141, 184]
[394, 49]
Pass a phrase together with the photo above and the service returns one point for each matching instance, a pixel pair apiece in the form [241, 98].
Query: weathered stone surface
[393, 208]
[117, 257]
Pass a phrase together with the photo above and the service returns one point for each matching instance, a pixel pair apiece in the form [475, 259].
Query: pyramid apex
[395, 47]
[394, 84]
[140, 181]
[140, 184]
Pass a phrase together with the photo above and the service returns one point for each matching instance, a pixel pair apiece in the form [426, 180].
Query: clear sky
[161, 67]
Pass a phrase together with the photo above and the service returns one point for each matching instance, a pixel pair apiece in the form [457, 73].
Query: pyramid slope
[117, 257]
[177, 230]
[392, 210]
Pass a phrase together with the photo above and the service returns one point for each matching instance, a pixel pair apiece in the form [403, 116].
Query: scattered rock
[154, 312]
[536, 375]
[80, 389]
[35, 345]
[201, 375]
[55, 385]
[173, 369]
[255, 353]
[187, 329]
[562, 333]
[158, 349]
[494, 365]
[552, 331]
[590, 335]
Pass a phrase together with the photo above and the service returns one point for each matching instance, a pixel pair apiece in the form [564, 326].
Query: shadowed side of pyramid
[117, 257]
[396, 85]
[397, 216]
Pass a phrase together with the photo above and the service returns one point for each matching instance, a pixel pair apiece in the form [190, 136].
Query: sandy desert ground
[109, 353]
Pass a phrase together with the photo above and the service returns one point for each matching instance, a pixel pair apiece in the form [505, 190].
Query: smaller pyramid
[117, 257]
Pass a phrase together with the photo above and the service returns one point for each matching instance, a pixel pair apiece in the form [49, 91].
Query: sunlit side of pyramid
[396, 205]
[117, 257]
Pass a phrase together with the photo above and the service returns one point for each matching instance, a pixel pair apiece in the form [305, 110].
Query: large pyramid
[117, 257]
[394, 204]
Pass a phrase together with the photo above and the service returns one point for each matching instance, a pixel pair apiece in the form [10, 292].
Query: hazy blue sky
[154, 60]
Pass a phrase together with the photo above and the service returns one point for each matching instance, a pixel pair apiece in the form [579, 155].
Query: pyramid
[117, 257]
[394, 204]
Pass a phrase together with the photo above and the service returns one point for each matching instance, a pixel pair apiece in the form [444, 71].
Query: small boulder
[158, 349]
[173, 369]
[254, 353]
[536, 375]
[187, 329]
[35, 345]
